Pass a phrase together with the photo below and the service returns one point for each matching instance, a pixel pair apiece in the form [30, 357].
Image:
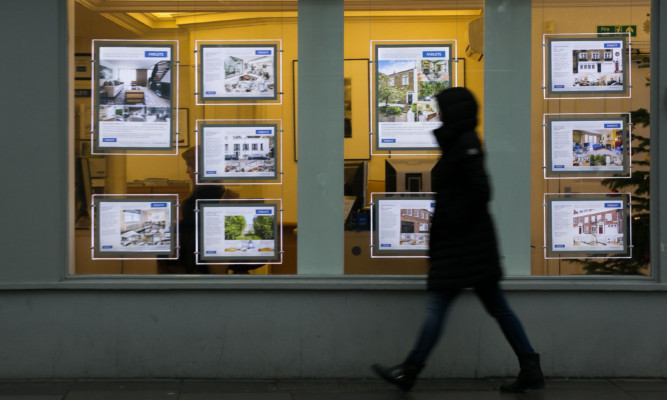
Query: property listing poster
[586, 145]
[134, 97]
[134, 226]
[247, 231]
[403, 224]
[238, 72]
[587, 66]
[237, 152]
[407, 80]
[587, 225]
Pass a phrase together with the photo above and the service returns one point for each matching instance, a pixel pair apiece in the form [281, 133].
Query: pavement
[450, 389]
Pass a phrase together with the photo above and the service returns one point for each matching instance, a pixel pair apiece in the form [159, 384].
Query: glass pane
[190, 100]
[590, 139]
[397, 57]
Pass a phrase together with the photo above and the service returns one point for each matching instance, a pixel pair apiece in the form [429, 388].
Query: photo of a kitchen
[140, 228]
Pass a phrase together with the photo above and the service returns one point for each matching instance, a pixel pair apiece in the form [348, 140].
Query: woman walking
[463, 250]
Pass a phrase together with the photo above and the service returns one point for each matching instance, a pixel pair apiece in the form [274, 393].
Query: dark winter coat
[463, 247]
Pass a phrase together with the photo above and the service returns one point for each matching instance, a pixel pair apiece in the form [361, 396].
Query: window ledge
[320, 282]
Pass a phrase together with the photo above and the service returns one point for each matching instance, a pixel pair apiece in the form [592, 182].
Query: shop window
[590, 138]
[149, 143]
[397, 60]
[603, 164]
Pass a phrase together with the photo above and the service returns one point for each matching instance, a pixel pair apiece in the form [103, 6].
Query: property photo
[597, 227]
[250, 234]
[406, 89]
[126, 113]
[603, 147]
[415, 226]
[248, 155]
[126, 82]
[597, 67]
[249, 74]
[141, 228]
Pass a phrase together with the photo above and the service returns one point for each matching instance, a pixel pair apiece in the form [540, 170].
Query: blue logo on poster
[210, 92]
[159, 54]
[388, 140]
[559, 166]
[158, 205]
[210, 172]
[263, 52]
[612, 45]
[612, 205]
[107, 246]
[432, 205]
[385, 245]
[263, 132]
[559, 86]
[112, 139]
[211, 251]
[439, 54]
[263, 212]
[612, 126]
[560, 246]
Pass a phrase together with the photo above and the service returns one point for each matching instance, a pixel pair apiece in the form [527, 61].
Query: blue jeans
[494, 301]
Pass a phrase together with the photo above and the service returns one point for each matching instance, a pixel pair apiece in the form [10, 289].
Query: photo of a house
[406, 89]
[415, 227]
[597, 227]
[249, 154]
[599, 67]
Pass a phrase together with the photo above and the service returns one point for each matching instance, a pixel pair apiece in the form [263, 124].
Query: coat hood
[458, 112]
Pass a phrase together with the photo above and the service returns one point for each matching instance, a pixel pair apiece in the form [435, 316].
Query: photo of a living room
[249, 74]
[130, 82]
[597, 148]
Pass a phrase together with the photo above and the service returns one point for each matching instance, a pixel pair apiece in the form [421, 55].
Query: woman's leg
[436, 311]
[530, 375]
[496, 305]
[404, 375]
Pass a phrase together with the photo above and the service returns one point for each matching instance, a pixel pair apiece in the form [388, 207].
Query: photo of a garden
[251, 234]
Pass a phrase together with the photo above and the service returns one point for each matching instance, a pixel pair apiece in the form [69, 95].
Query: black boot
[403, 375]
[530, 376]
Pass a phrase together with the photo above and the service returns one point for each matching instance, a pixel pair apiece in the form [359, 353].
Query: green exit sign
[624, 29]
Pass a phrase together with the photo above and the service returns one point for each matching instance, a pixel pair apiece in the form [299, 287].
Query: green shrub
[390, 110]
